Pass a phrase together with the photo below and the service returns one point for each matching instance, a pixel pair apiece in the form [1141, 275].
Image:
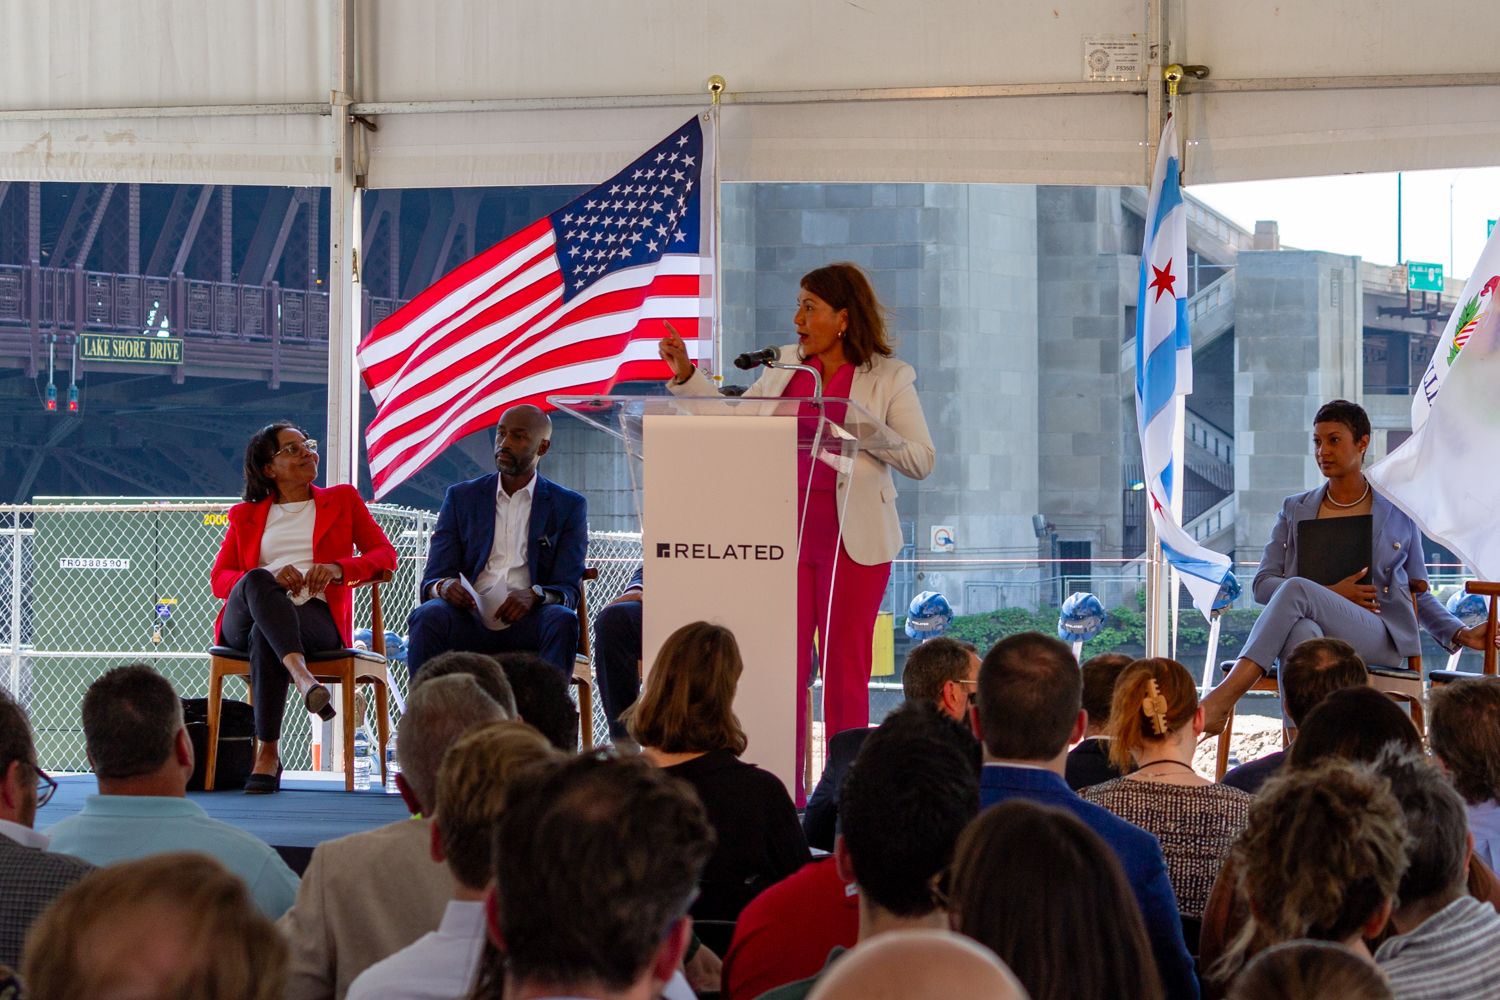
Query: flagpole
[716, 87]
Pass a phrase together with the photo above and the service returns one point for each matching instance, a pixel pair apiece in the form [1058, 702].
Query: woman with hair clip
[1154, 725]
[284, 572]
[841, 332]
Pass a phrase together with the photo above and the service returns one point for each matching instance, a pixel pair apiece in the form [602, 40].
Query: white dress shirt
[288, 541]
[24, 835]
[442, 965]
[507, 563]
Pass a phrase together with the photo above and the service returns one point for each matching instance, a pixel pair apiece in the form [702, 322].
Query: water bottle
[361, 760]
[392, 767]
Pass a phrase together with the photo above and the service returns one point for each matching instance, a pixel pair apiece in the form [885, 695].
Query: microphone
[752, 359]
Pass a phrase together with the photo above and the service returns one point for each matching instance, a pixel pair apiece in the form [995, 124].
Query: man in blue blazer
[1029, 709]
[520, 541]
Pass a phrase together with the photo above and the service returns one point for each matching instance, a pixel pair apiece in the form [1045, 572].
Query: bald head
[919, 965]
[521, 439]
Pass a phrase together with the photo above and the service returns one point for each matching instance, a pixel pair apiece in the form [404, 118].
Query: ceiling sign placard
[136, 350]
[1114, 57]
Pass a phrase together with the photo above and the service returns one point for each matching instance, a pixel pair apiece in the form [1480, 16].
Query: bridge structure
[238, 275]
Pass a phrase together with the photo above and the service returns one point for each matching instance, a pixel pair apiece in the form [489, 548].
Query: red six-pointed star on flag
[1162, 280]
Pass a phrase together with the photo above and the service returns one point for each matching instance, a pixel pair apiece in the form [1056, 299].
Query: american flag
[574, 302]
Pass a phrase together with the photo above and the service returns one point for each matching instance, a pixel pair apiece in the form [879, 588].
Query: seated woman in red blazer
[283, 573]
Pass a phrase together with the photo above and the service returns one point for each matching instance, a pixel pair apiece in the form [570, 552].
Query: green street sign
[1424, 277]
[136, 350]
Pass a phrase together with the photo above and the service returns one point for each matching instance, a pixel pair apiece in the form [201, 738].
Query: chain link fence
[90, 585]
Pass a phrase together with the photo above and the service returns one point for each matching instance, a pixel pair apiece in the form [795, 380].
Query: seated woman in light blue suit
[1375, 618]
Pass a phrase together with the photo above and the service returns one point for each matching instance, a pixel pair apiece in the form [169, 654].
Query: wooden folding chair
[344, 667]
[583, 665]
[1266, 683]
[1438, 678]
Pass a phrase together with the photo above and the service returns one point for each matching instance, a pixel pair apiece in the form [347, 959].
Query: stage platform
[311, 807]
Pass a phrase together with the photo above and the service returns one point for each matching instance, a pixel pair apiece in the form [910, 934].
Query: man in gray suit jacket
[31, 877]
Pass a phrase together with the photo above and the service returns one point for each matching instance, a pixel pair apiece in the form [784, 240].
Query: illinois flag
[574, 302]
[1164, 372]
[1445, 476]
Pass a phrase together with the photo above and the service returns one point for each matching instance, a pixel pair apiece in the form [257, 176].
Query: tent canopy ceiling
[495, 92]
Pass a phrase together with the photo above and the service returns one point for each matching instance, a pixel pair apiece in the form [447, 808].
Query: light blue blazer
[1395, 550]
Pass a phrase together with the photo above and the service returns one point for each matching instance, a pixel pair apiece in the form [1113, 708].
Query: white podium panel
[719, 541]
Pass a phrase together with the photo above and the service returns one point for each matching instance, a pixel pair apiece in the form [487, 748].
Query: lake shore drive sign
[136, 350]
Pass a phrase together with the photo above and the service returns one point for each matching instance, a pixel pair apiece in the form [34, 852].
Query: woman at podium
[1375, 616]
[841, 332]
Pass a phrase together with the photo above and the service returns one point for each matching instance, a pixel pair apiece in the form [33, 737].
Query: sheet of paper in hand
[488, 603]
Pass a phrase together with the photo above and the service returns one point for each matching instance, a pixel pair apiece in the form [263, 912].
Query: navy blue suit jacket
[1139, 854]
[556, 543]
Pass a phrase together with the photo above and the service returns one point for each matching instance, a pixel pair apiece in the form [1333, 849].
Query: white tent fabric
[1296, 89]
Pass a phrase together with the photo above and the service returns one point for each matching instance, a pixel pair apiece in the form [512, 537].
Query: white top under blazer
[887, 388]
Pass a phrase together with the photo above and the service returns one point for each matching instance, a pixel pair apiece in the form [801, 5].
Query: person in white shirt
[1464, 734]
[505, 566]
[471, 790]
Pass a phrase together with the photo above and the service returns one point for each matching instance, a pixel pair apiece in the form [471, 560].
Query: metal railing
[87, 586]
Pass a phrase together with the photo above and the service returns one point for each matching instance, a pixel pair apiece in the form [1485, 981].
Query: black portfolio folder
[1332, 548]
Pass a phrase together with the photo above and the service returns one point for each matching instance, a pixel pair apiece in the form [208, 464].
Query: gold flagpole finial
[1173, 74]
[716, 86]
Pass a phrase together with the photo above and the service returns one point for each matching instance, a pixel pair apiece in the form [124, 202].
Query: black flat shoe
[319, 702]
[263, 784]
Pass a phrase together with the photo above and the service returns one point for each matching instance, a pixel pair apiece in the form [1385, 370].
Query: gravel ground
[1253, 736]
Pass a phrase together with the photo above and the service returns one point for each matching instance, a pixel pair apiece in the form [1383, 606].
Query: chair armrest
[384, 576]
[590, 573]
[1419, 586]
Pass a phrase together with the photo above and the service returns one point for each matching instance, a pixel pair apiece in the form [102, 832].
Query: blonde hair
[472, 785]
[688, 703]
[1323, 850]
[1153, 699]
[231, 950]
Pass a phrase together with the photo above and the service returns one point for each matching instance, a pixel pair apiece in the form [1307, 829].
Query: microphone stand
[817, 378]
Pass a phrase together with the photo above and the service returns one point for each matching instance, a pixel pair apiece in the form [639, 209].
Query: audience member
[472, 785]
[142, 757]
[1321, 858]
[1309, 970]
[484, 669]
[173, 925]
[1464, 730]
[941, 671]
[542, 698]
[1314, 670]
[1046, 894]
[370, 894]
[920, 965]
[685, 723]
[1155, 724]
[1029, 711]
[1447, 943]
[1351, 724]
[30, 876]
[910, 793]
[596, 863]
[1088, 762]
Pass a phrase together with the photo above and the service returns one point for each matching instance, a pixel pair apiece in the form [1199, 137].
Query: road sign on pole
[1424, 277]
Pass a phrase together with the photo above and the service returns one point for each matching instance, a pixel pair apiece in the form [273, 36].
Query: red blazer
[342, 522]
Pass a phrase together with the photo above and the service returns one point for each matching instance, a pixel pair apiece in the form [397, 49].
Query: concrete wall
[1298, 320]
[1086, 277]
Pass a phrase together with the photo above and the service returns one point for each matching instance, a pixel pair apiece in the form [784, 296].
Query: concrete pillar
[1298, 322]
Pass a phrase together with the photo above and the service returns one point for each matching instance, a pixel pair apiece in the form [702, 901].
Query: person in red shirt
[786, 932]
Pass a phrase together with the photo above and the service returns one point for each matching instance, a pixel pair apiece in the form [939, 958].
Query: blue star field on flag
[648, 209]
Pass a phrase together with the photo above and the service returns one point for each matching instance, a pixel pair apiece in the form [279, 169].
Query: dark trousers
[617, 651]
[436, 626]
[260, 616]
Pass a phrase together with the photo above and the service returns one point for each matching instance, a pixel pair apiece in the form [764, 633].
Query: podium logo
[695, 550]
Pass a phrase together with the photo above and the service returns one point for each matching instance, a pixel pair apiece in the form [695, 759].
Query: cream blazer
[886, 387]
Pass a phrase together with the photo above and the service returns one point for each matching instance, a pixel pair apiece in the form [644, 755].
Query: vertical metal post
[718, 236]
[34, 258]
[342, 461]
[134, 199]
[1156, 109]
[226, 233]
[15, 605]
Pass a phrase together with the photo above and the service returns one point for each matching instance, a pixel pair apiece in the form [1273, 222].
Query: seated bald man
[520, 541]
[919, 965]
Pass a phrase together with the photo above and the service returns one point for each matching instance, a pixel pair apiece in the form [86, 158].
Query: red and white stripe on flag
[499, 329]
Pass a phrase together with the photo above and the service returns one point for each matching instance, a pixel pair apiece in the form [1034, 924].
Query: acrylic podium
[717, 482]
